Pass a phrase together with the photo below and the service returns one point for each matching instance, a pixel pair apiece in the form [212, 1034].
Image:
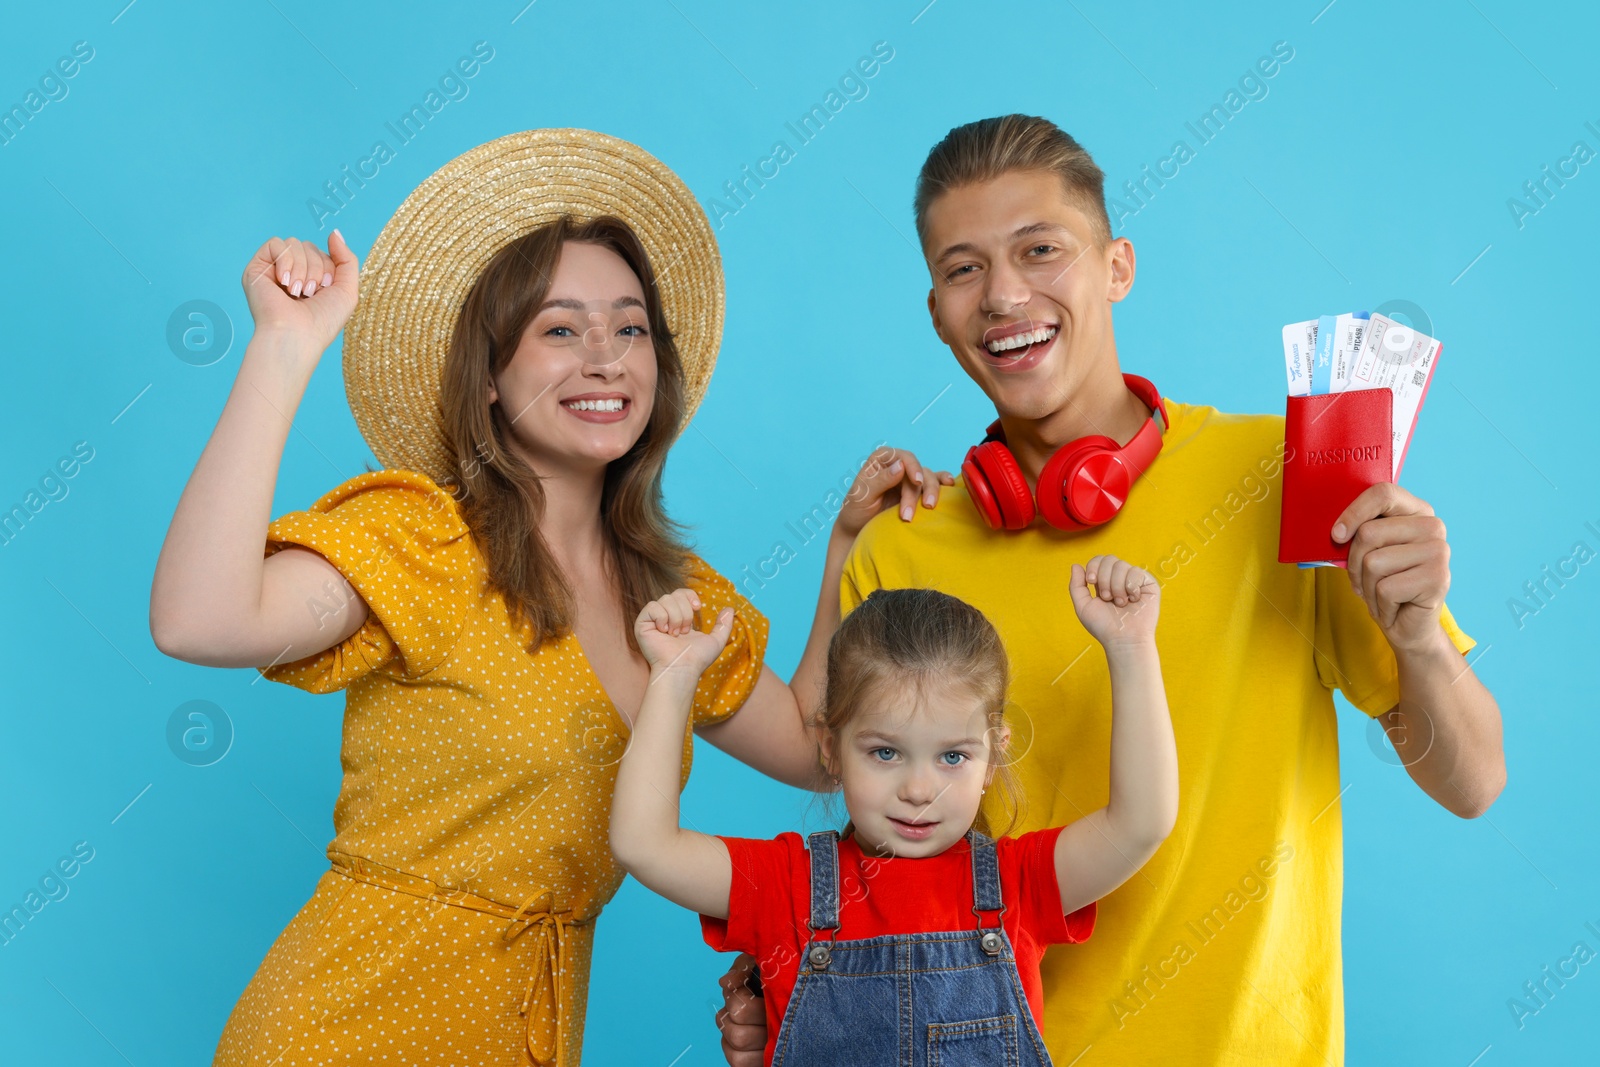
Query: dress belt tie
[542, 1003]
[546, 1038]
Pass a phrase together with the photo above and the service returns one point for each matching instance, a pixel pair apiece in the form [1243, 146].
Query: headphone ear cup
[977, 484]
[1061, 497]
[1001, 482]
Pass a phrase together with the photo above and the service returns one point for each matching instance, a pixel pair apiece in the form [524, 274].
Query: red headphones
[1082, 485]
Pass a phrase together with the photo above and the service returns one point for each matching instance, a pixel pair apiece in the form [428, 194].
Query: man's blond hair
[983, 150]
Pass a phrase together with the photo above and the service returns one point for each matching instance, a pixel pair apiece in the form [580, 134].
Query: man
[1225, 949]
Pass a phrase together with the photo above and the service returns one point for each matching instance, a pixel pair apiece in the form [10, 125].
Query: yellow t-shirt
[1225, 947]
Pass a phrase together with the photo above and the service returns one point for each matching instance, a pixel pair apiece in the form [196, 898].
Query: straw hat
[417, 275]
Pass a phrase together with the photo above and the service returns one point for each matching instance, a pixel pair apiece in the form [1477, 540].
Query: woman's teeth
[594, 405]
[1021, 340]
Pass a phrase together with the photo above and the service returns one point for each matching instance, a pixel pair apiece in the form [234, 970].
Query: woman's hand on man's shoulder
[890, 477]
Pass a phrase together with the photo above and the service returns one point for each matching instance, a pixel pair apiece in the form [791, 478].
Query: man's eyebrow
[578, 305]
[1038, 227]
[1021, 231]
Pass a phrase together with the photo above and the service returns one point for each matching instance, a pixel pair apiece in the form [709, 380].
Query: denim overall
[948, 999]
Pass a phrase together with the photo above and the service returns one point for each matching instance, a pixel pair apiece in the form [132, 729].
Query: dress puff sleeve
[732, 675]
[397, 538]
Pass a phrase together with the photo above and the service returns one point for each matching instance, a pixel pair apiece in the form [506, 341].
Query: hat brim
[418, 273]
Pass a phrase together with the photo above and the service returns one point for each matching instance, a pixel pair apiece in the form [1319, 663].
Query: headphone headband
[1142, 388]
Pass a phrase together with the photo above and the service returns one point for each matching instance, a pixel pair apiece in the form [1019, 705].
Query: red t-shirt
[769, 906]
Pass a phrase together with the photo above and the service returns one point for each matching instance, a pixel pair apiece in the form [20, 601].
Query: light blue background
[1377, 168]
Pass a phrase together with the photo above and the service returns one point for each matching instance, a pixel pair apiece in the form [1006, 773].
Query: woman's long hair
[501, 497]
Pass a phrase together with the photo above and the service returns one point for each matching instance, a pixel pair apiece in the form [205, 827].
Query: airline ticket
[1359, 350]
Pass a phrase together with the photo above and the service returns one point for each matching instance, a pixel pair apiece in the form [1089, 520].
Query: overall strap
[824, 847]
[985, 875]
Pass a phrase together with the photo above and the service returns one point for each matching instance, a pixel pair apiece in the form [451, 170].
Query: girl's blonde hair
[920, 639]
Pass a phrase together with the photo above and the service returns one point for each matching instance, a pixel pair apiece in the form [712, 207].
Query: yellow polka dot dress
[470, 855]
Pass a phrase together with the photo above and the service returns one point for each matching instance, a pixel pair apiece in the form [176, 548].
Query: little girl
[916, 939]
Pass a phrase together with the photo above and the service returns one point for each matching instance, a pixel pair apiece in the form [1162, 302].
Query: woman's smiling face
[579, 390]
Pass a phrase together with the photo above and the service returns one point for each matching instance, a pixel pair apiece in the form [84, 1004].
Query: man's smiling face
[1023, 287]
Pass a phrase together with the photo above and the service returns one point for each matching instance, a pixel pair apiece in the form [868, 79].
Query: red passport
[1338, 445]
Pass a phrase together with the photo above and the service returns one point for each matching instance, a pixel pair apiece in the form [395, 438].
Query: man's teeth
[594, 405]
[1021, 340]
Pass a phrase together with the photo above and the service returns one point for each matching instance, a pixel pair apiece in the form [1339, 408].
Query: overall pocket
[974, 1043]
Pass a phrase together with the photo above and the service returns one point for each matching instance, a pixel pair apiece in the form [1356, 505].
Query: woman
[521, 362]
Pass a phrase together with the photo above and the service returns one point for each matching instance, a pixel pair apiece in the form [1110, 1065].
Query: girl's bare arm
[690, 869]
[1103, 849]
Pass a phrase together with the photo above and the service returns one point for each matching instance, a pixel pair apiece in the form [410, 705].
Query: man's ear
[933, 314]
[1122, 266]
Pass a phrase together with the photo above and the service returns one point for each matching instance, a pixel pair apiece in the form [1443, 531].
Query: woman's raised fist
[294, 287]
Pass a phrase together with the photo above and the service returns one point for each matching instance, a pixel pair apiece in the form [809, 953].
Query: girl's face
[579, 390]
[913, 769]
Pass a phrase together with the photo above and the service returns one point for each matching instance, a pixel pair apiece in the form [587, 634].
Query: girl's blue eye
[558, 331]
[635, 331]
[1047, 248]
[960, 757]
[878, 753]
